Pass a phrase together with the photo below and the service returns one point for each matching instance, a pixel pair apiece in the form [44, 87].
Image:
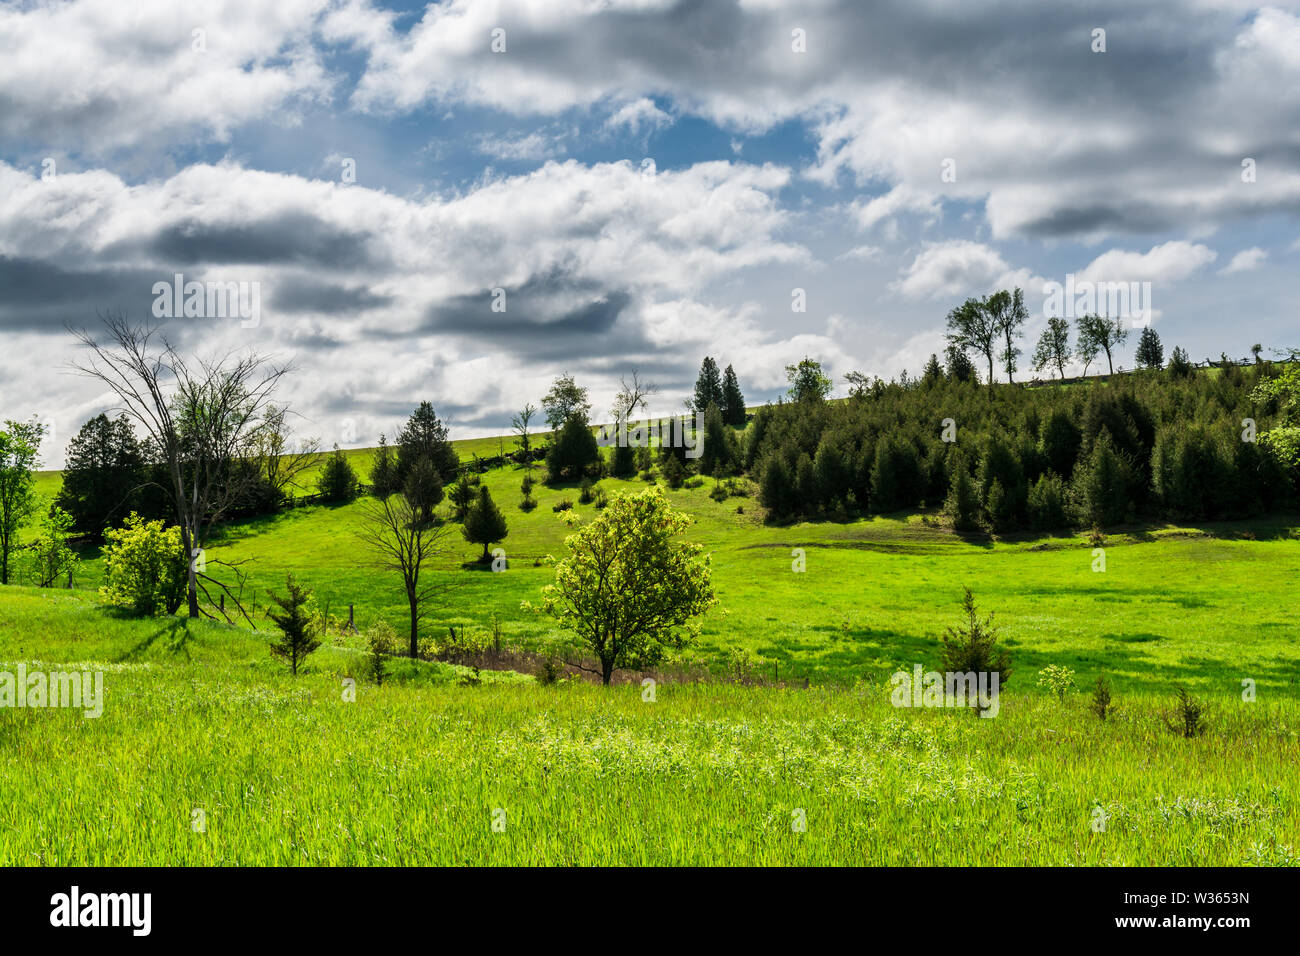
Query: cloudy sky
[639, 182]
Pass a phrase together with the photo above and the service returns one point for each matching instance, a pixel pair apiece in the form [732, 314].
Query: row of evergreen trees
[1150, 444]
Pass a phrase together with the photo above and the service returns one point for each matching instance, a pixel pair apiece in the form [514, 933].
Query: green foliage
[1100, 703]
[733, 401]
[973, 646]
[338, 482]
[484, 523]
[1150, 352]
[565, 401]
[1058, 679]
[1099, 492]
[1047, 500]
[962, 505]
[1187, 716]
[105, 476]
[424, 438]
[20, 444]
[720, 454]
[629, 589]
[673, 470]
[808, 383]
[383, 473]
[49, 559]
[1180, 365]
[895, 475]
[381, 644]
[573, 452]
[708, 387]
[423, 489]
[145, 567]
[297, 624]
[1053, 349]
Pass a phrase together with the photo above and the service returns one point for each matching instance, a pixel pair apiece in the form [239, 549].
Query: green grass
[198, 716]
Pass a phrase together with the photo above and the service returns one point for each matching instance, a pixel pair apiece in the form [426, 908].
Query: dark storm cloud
[308, 295]
[40, 296]
[297, 239]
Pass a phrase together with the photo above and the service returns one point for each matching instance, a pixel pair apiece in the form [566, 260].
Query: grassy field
[285, 771]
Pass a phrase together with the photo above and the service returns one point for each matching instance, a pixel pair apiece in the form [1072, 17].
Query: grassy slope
[287, 772]
[1196, 605]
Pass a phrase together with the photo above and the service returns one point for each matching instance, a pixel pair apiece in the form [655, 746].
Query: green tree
[1053, 346]
[338, 482]
[484, 523]
[808, 383]
[1150, 353]
[973, 646]
[144, 567]
[1101, 334]
[1008, 314]
[630, 588]
[733, 402]
[423, 489]
[719, 454]
[708, 387]
[20, 444]
[103, 474]
[425, 437]
[383, 473]
[958, 366]
[572, 451]
[297, 624]
[565, 400]
[520, 424]
[50, 559]
[972, 328]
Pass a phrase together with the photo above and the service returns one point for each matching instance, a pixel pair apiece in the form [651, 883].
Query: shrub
[338, 482]
[381, 643]
[1047, 503]
[1059, 680]
[972, 646]
[1101, 697]
[296, 623]
[1187, 717]
[962, 504]
[49, 557]
[674, 473]
[601, 500]
[145, 567]
[584, 494]
[484, 523]
[564, 504]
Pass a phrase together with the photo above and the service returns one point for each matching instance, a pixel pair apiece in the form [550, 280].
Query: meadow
[790, 753]
[287, 771]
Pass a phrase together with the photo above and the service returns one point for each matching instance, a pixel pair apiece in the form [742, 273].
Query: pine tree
[1150, 353]
[484, 523]
[298, 630]
[733, 402]
[383, 473]
[708, 387]
[425, 436]
[338, 482]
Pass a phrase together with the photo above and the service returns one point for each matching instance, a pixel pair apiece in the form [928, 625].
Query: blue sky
[648, 182]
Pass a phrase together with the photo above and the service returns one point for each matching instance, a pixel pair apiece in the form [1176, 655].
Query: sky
[457, 202]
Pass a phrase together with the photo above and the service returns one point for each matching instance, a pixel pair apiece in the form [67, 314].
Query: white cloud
[1168, 262]
[1245, 261]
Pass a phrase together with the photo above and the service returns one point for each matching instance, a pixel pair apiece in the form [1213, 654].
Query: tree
[296, 623]
[629, 588]
[203, 415]
[398, 541]
[423, 489]
[383, 473]
[564, 401]
[519, 424]
[1099, 333]
[484, 523]
[1008, 314]
[144, 567]
[719, 453]
[1053, 346]
[1256, 350]
[49, 557]
[20, 444]
[958, 365]
[972, 328]
[425, 437]
[103, 474]
[733, 402]
[573, 451]
[1180, 365]
[973, 646]
[708, 387]
[932, 374]
[808, 383]
[338, 482]
[1150, 353]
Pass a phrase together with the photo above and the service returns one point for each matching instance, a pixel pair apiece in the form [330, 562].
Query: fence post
[352, 626]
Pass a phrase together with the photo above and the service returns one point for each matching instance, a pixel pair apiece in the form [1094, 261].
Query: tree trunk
[606, 672]
[990, 358]
[192, 581]
[486, 557]
[415, 625]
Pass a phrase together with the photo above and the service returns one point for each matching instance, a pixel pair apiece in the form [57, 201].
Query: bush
[49, 558]
[338, 482]
[381, 643]
[296, 622]
[584, 494]
[1187, 717]
[1059, 680]
[674, 473]
[1101, 697]
[1047, 503]
[564, 504]
[962, 504]
[973, 646]
[145, 567]
[600, 500]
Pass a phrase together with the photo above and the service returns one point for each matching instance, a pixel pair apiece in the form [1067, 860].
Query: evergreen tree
[338, 482]
[423, 489]
[104, 470]
[484, 523]
[424, 436]
[297, 628]
[708, 387]
[383, 473]
[960, 368]
[1150, 353]
[572, 451]
[932, 375]
[733, 402]
[719, 454]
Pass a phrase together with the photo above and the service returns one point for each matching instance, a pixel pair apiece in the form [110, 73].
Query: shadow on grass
[172, 638]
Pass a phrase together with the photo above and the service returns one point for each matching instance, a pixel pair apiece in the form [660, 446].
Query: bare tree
[205, 417]
[631, 396]
[279, 456]
[399, 541]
